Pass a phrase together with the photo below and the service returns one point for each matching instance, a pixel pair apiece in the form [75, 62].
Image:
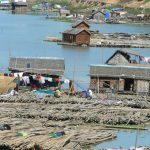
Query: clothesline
[146, 59]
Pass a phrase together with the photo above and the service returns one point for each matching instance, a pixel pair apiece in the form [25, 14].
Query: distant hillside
[76, 5]
[135, 3]
[132, 6]
[124, 3]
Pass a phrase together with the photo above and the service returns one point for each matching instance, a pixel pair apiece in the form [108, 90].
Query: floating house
[122, 72]
[76, 36]
[81, 25]
[19, 6]
[79, 34]
[38, 65]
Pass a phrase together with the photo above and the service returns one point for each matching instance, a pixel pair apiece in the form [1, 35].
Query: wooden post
[98, 84]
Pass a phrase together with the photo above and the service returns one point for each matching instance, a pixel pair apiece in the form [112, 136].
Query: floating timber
[123, 40]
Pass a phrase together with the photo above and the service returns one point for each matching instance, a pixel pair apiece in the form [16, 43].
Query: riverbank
[82, 120]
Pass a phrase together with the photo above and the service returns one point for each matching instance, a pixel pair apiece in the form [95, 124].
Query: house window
[28, 65]
[106, 84]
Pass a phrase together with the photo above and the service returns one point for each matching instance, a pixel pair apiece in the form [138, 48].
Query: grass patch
[147, 10]
[62, 19]
[134, 11]
[137, 10]
[146, 1]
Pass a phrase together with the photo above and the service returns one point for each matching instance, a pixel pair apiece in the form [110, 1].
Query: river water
[23, 35]
[127, 139]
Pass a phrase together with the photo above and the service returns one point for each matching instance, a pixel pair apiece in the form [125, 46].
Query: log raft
[122, 40]
[81, 120]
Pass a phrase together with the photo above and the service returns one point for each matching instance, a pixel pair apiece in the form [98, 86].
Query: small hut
[77, 36]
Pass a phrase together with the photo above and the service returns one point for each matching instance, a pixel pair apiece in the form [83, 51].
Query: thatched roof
[120, 56]
[75, 31]
[40, 65]
[77, 23]
[112, 71]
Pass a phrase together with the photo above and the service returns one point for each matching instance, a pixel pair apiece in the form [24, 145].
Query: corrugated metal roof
[97, 11]
[129, 51]
[122, 52]
[118, 66]
[120, 71]
[53, 58]
[79, 22]
[41, 65]
[75, 31]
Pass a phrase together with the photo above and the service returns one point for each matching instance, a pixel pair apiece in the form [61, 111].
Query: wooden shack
[81, 25]
[122, 72]
[124, 57]
[37, 65]
[19, 6]
[77, 36]
[97, 15]
[131, 79]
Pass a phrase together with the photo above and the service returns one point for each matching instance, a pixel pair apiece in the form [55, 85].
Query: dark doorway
[129, 85]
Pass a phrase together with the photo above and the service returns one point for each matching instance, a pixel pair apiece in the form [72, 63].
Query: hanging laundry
[34, 76]
[11, 75]
[38, 77]
[42, 80]
[50, 79]
[66, 81]
[46, 78]
[20, 74]
[57, 79]
[146, 59]
[26, 80]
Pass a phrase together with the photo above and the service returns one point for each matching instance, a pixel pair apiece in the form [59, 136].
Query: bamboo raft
[80, 119]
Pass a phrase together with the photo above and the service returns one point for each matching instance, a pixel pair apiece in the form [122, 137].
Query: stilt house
[19, 6]
[122, 72]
